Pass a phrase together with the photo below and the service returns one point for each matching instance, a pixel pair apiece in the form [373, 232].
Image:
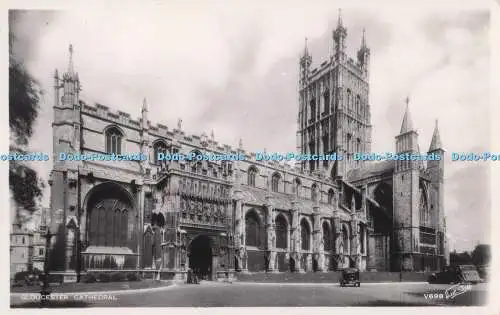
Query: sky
[233, 69]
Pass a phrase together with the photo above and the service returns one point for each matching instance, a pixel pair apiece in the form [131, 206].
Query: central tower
[334, 111]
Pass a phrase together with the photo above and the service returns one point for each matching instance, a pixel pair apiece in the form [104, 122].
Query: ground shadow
[52, 304]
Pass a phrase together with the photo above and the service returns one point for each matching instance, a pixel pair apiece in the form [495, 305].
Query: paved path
[212, 294]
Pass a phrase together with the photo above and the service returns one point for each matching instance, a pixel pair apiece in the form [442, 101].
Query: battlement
[202, 141]
[354, 66]
[103, 111]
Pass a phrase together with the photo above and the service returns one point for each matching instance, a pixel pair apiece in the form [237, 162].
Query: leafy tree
[481, 255]
[463, 258]
[24, 98]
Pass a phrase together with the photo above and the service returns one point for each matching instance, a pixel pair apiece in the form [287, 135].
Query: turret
[145, 149]
[407, 141]
[57, 86]
[305, 65]
[364, 54]
[144, 114]
[339, 36]
[406, 181]
[435, 168]
[65, 175]
[71, 83]
[305, 69]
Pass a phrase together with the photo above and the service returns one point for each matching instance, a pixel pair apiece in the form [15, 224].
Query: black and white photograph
[210, 154]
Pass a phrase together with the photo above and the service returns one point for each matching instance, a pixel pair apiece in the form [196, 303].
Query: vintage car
[456, 274]
[350, 276]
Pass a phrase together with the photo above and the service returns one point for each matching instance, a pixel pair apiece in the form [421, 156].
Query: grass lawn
[94, 287]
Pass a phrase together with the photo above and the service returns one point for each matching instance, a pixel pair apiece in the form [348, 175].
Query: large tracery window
[108, 224]
[305, 235]
[275, 182]
[345, 240]
[114, 140]
[327, 238]
[252, 174]
[281, 232]
[349, 100]
[326, 96]
[108, 214]
[358, 104]
[253, 229]
[425, 213]
[362, 238]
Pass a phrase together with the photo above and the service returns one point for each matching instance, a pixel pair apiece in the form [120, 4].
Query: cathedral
[220, 218]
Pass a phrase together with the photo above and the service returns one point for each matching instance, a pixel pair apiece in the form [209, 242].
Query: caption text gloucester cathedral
[222, 217]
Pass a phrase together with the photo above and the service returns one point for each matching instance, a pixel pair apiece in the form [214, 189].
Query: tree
[463, 258]
[481, 255]
[24, 97]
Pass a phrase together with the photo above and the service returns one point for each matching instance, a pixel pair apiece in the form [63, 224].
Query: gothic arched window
[314, 192]
[305, 235]
[253, 229]
[159, 147]
[349, 143]
[252, 174]
[331, 196]
[326, 96]
[327, 238]
[297, 187]
[313, 109]
[108, 226]
[345, 240]
[281, 232]
[275, 182]
[383, 195]
[349, 100]
[362, 238]
[425, 214]
[114, 140]
[358, 104]
[147, 250]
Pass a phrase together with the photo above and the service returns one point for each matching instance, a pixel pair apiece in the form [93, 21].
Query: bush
[89, 278]
[104, 277]
[117, 277]
[132, 276]
[21, 275]
[27, 277]
[56, 278]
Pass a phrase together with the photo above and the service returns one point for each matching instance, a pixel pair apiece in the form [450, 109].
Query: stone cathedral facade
[224, 217]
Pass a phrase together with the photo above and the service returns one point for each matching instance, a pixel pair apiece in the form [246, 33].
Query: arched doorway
[200, 257]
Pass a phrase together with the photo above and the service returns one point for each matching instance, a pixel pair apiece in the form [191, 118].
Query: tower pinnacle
[407, 124]
[339, 36]
[306, 51]
[306, 59]
[71, 70]
[436, 139]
